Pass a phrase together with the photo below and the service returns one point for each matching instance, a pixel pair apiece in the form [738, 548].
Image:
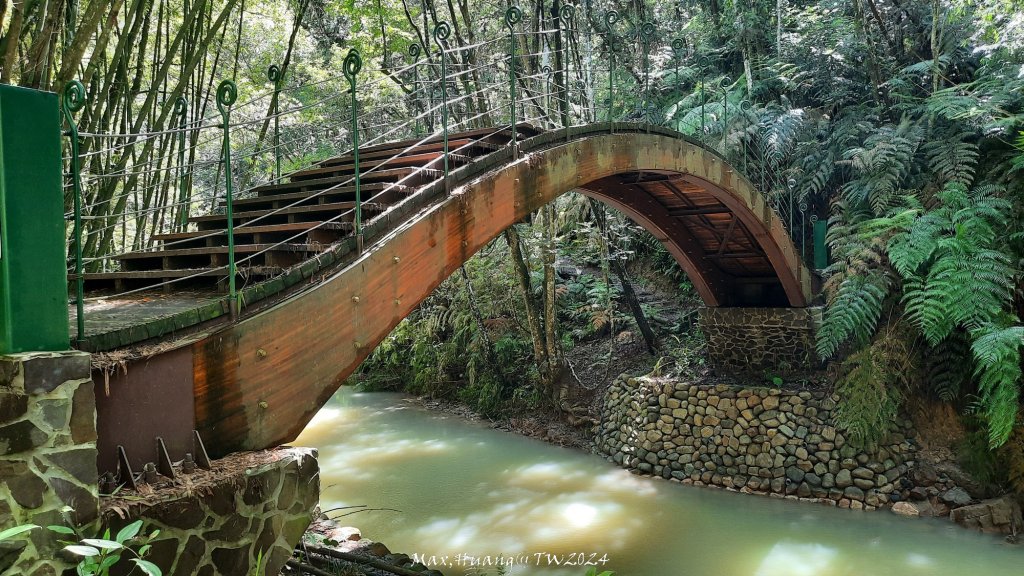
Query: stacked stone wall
[771, 441]
[758, 339]
[47, 454]
[260, 505]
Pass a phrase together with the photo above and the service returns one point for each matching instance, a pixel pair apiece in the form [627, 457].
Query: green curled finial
[566, 12]
[647, 31]
[181, 106]
[546, 70]
[74, 97]
[415, 51]
[610, 19]
[442, 31]
[679, 44]
[352, 65]
[274, 73]
[227, 93]
[513, 16]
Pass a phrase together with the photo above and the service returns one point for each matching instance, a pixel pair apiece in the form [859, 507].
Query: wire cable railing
[128, 206]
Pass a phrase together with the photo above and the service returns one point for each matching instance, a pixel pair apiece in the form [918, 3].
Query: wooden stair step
[270, 228]
[408, 176]
[463, 146]
[179, 273]
[334, 207]
[239, 249]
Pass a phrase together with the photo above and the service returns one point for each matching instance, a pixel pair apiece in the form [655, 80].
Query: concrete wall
[758, 440]
[47, 453]
[780, 340]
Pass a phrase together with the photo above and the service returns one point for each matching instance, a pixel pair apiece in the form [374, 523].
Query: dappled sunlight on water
[463, 488]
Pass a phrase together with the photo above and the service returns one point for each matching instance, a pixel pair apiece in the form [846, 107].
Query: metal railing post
[610, 18]
[274, 75]
[227, 93]
[414, 52]
[351, 67]
[181, 109]
[547, 90]
[73, 101]
[513, 16]
[646, 37]
[442, 32]
[566, 12]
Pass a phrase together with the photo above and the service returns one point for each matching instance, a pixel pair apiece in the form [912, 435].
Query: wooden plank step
[433, 160]
[408, 176]
[179, 273]
[523, 129]
[313, 209]
[464, 146]
[306, 188]
[239, 249]
[260, 229]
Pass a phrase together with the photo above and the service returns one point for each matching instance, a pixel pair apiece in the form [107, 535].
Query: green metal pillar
[820, 246]
[33, 273]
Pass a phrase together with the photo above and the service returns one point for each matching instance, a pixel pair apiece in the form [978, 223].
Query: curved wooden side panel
[258, 383]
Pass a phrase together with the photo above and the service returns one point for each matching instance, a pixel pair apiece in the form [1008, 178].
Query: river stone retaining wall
[758, 339]
[755, 440]
[47, 453]
[261, 502]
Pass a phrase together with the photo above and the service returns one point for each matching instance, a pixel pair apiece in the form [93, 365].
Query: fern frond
[997, 367]
[852, 313]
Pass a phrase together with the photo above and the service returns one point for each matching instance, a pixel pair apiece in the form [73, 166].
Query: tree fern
[948, 367]
[871, 388]
[882, 164]
[852, 313]
[996, 353]
[954, 273]
[952, 158]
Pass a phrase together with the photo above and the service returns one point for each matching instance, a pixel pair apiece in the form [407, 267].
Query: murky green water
[464, 489]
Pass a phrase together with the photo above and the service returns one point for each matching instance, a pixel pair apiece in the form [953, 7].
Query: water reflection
[463, 488]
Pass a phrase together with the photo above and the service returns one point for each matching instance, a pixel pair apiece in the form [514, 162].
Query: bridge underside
[257, 382]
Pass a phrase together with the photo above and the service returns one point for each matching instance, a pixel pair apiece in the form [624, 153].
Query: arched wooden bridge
[257, 381]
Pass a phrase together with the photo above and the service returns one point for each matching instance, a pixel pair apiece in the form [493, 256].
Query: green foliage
[997, 359]
[100, 555]
[872, 386]
[955, 272]
[977, 458]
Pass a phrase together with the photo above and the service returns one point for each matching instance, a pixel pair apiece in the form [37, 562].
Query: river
[473, 494]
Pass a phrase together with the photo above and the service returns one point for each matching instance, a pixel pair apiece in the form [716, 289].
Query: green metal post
[33, 249]
[351, 67]
[512, 17]
[443, 31]
[725, 121]
[610, 18]
[820, 247]
[414, 52]
[74, 99]
[566, 12]
[275, 76]
[678, 47]
[227, 93]
[646, 36]
[181, 108]
[547, 89]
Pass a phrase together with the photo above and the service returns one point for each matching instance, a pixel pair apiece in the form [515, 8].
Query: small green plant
[593, 572]
[99, 555]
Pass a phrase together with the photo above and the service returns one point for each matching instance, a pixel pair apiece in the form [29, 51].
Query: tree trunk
[492, 358]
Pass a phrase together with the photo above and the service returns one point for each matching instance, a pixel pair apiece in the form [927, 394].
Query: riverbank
[915, 475]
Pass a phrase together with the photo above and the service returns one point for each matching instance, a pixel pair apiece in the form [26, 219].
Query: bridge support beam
[773, 340]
